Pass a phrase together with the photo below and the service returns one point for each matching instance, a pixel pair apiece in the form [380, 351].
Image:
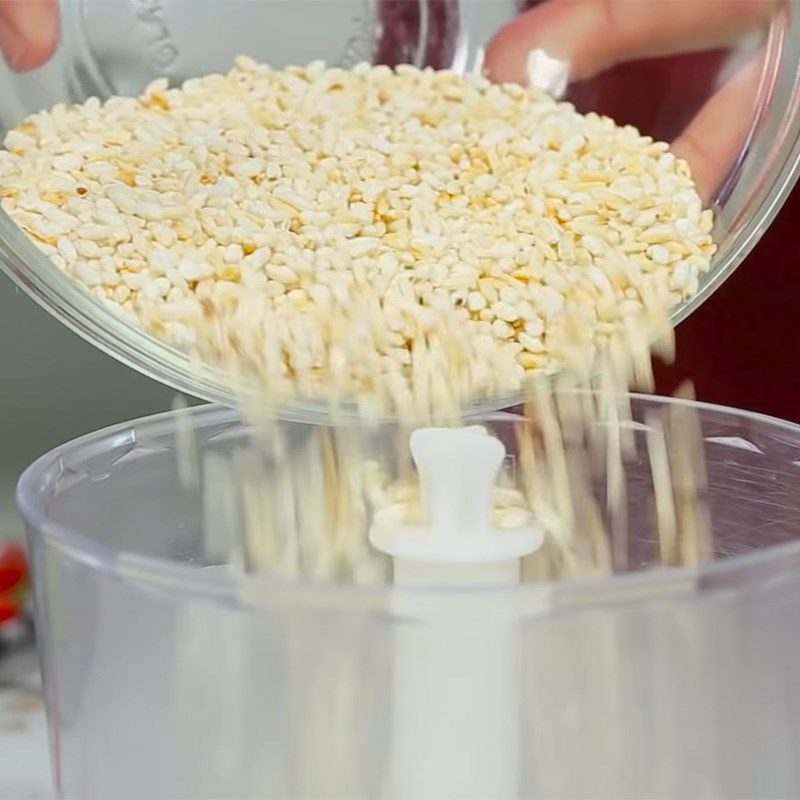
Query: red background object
[740, 346]
[13, 580]
[13, 567]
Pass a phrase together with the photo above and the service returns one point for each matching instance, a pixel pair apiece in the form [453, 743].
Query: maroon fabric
[740, 346]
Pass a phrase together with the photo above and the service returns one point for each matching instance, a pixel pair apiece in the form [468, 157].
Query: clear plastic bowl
[167, 677]
[118, 47]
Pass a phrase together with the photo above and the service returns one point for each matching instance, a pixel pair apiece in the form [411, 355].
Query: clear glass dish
[118, 47]
[167, 674]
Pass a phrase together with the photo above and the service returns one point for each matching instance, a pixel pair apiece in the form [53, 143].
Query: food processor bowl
[117, 46]
[170, 673]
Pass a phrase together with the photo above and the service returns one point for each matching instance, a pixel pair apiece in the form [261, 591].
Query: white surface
[24, 758]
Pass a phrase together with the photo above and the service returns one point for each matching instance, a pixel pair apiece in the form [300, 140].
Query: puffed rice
[402, 236]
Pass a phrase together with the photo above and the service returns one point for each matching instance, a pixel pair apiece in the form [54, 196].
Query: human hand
[594, 35]
[29, 32]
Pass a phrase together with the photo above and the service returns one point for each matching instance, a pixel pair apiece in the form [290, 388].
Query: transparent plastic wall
[170, 674]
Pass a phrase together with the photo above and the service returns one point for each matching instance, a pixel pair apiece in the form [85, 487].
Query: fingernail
[548, 74]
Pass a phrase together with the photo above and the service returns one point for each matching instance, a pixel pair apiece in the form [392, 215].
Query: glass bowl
[168, 674]
[118, 47]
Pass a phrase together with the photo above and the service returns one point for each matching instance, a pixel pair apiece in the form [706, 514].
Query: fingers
[593, 35]
[29, 32]
[713, 140]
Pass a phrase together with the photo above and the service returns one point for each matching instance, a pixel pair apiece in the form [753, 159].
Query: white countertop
[24, 756]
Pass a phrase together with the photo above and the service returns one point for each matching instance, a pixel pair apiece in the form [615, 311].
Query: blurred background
[53, 387]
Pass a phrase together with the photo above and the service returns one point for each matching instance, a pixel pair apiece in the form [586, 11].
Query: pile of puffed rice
[371, 233]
